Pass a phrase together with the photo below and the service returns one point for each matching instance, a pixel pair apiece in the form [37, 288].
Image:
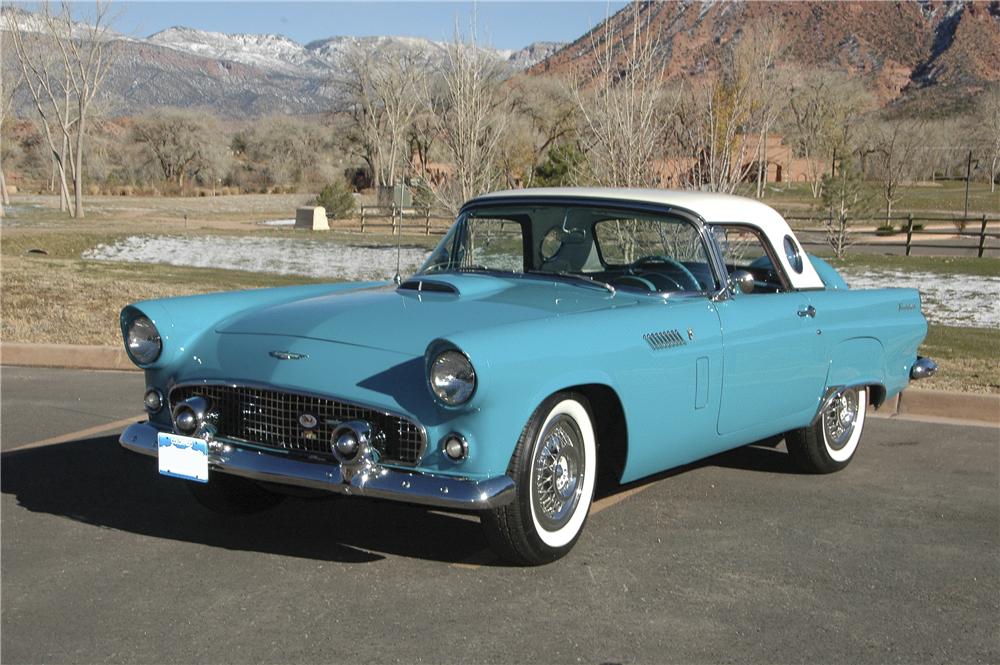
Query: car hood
[407, 319]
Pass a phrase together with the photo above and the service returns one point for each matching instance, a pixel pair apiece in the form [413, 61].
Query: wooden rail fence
[983, 230]
[399, 220]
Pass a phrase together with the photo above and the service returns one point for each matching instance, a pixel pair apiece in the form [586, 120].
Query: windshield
[627, 249]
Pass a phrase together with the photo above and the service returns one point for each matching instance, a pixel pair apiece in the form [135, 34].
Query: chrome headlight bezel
[451, 377]
[142, 340]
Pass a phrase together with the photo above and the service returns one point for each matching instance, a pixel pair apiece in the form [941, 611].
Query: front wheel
[830, 443]
[554, 467]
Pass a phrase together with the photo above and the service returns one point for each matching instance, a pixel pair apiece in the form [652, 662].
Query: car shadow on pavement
[97, 482]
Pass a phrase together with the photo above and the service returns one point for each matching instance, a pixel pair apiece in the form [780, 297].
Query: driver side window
[665, 252]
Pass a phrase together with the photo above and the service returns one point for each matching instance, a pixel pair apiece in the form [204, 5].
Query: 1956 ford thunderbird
[552, 335]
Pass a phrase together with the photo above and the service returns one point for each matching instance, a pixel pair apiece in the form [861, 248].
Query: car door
[771, 373]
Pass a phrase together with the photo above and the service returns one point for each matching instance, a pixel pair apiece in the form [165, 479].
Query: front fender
[180, 321]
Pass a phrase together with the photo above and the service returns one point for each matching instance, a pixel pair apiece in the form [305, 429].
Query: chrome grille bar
[270, 418]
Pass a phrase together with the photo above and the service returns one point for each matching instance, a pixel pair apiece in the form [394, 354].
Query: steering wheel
[673, 263]
[642, 281]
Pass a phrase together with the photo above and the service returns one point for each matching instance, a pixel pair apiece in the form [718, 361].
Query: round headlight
[452, 378]
[143, 341]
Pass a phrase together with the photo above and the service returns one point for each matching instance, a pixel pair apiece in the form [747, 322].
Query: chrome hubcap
[839, 419]
[557, 473]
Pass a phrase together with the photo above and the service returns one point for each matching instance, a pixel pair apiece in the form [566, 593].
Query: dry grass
[67, 301]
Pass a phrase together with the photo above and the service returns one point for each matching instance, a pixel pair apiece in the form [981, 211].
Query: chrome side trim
[375, 482]
[923, 368]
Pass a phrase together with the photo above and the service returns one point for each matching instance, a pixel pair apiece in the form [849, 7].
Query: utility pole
[968, 177]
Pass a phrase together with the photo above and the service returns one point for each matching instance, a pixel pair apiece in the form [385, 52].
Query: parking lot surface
[737, 558]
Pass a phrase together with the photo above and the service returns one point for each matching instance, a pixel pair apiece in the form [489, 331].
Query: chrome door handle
[809, 311]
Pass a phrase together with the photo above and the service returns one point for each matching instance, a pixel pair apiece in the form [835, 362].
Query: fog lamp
[153, 400]
[456, 447]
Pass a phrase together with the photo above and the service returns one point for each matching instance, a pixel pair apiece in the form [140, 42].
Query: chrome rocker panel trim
[379, 482]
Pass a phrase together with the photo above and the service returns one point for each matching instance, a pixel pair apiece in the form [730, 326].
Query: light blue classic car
[553, 335]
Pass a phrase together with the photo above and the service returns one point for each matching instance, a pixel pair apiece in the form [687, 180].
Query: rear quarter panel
[869, 336]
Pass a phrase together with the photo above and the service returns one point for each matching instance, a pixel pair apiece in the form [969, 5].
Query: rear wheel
[232, 495]
[829, 444]
[554, 467]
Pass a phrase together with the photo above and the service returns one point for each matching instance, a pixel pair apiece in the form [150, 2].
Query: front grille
[270, 419]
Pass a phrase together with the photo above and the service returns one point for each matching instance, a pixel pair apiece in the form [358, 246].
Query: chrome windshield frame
[714, 257]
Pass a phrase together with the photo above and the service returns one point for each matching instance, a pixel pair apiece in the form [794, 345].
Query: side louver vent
[427, 286]
[664, 340]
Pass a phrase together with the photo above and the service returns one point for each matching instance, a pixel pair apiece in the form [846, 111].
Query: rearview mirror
[742, 280]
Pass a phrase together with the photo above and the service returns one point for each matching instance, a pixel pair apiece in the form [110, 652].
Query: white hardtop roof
[712, 207]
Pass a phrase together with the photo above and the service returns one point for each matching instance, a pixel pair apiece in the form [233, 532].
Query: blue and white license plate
[183, 457]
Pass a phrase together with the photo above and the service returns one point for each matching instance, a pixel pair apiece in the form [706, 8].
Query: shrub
[337, 199]
[885, 230]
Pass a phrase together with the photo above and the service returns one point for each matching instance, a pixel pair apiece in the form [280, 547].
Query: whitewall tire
[554, 467]
[829, 444]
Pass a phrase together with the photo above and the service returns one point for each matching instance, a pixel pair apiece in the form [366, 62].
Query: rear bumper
[375, 481]
[923, 368]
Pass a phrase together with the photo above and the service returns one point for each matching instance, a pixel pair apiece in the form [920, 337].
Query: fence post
[982, 237]
[362, 219]
[427, 221]
[909, 232]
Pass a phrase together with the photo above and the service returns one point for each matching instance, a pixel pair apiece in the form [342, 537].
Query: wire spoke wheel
[840, 418]
[557, 473]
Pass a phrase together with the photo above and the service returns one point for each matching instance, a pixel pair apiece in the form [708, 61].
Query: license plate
[183, 457]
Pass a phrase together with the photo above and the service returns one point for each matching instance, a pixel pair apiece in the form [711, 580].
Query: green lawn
[968, 359]
[943, 265]
[943, 197]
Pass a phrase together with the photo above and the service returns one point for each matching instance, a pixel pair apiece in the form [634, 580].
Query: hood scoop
[428, 286]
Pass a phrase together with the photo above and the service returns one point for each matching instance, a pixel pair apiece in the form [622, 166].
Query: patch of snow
[279, 222]
[964, 301]
[283, 256]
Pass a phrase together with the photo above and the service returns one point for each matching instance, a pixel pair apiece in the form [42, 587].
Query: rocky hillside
[915, 55]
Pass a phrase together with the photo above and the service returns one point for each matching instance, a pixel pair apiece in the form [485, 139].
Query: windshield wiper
[586, 279]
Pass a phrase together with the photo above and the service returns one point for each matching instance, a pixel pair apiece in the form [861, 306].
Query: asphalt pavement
[737, 558]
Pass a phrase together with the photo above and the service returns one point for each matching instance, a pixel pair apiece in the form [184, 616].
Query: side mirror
[743, 280]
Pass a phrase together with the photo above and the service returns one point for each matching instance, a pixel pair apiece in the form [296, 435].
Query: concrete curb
[947, 405]
[65, 355]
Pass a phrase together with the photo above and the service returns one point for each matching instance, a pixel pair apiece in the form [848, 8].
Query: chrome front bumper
[374, 481]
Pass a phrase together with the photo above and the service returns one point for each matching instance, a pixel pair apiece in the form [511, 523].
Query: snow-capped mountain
[237, 75]
[317, 58]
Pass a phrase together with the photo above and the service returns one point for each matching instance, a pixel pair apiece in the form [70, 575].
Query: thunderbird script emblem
[287, 355]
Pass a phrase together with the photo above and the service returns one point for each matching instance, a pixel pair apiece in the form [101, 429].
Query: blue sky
[500, 24]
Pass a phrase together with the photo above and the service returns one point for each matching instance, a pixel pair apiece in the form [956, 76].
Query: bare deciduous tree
[721, 125]
[623, 107]
[384, 91]
[894, 149]
[826, 108]
[988, 121]
[543, 114]
[469, 120]
[8, 86]
[184, 144]
[64, 66]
